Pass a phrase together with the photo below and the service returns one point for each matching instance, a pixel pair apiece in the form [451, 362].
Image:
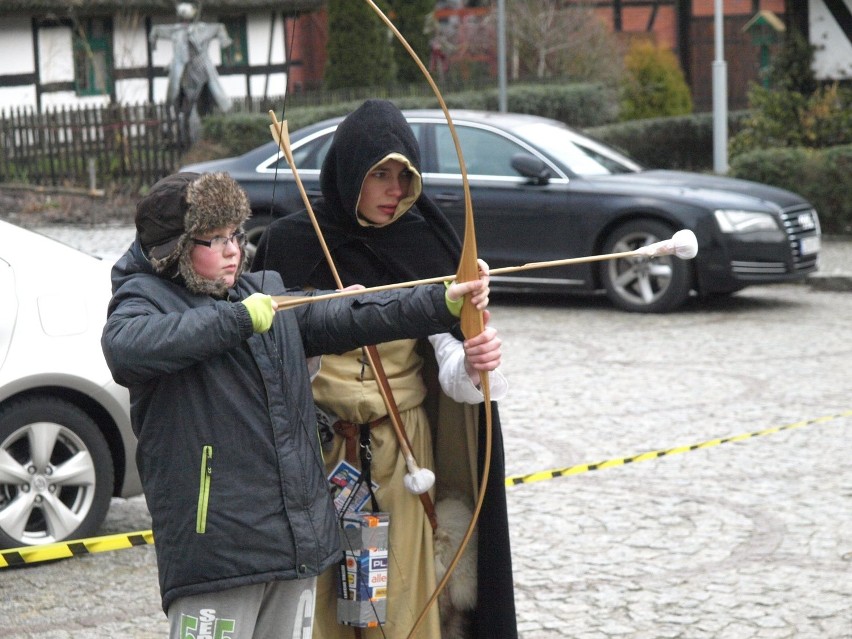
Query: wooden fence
[90, 147]
[116, 146]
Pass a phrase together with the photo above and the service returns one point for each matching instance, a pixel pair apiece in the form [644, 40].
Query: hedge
[823, 176]
[580, 105]
[681, 142]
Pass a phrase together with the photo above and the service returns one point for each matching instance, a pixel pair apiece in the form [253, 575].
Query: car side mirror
[531, 167]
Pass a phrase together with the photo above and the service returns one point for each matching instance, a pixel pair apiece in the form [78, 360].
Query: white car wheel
[56, 473]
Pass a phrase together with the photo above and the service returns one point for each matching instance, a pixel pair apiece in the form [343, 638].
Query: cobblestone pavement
[739, 540]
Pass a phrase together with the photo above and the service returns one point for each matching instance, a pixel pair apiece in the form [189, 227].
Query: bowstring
[288, 61]
[468, 246]
[314, 441]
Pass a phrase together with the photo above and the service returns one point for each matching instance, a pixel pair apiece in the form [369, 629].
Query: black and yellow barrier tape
[76, 548]
[514, 480]
[63, 550]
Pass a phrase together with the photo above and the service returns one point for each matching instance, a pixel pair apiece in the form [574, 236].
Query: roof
[765, 17]
[64, 7]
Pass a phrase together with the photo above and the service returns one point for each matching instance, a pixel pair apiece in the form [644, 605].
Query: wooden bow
[472, 321]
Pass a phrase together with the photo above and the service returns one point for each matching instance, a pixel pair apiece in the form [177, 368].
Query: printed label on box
[349, 495]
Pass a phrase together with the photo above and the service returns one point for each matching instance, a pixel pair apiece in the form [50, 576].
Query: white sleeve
[314, 365]
[453, 377]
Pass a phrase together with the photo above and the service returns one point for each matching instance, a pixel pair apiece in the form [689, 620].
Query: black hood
[367, 136]
[420, 243]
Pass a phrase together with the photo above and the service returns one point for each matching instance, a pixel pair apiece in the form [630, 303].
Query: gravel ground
[29, 207]
[750, 540]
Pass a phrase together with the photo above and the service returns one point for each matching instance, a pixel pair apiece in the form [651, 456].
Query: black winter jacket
[227, 449]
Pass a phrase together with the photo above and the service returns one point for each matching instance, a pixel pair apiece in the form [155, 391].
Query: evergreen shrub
[653, 83]
[679, 142]
[823, 176]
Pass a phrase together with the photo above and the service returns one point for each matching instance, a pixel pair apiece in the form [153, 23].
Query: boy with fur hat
[222, 409]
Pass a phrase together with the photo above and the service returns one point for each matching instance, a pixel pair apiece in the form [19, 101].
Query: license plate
[809, 245]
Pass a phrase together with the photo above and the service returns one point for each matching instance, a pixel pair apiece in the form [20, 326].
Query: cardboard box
[361, 531]
[362, 587]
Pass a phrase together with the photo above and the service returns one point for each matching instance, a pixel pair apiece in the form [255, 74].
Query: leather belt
[351, 432]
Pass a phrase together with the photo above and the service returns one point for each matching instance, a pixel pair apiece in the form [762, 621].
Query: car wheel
[642, 284]
[56, 473]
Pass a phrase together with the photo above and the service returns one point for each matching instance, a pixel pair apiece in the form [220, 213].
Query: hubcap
[639, 280]
[47, 483]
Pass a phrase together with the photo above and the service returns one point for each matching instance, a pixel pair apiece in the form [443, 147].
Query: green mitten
[260, 309]
[454, 306]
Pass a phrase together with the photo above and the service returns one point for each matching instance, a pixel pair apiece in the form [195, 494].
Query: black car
[542, 191]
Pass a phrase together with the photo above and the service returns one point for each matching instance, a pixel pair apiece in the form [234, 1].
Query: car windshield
[583, 156]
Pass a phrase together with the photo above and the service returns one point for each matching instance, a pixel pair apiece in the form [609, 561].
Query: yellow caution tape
[63, 550]
[514, 480]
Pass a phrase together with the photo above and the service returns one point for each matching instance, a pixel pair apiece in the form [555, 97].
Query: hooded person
[380, 235]
[221, 405]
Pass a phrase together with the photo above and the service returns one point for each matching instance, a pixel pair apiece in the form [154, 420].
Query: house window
[93, 56]
[237, 53]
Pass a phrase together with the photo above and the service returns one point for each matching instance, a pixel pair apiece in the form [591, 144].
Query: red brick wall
[741, 56]
[307, 52]
[636, 20]
[737, 7]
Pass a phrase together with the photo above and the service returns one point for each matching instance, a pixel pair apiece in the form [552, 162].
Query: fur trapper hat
[186, 205]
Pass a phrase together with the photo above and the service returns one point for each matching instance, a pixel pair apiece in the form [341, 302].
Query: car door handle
[313, 192]
[447, 197]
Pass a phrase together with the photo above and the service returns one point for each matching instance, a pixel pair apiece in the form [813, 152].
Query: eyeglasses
[219, 242]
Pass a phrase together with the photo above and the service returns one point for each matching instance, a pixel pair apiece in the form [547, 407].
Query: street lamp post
[720, 96]
[501, 56]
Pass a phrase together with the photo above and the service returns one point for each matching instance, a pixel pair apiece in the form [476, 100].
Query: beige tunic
[347, 388]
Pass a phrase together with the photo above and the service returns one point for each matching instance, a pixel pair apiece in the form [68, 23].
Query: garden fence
[90, 147]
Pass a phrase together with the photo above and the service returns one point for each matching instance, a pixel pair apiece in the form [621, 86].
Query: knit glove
[454, 306]
[260, 310]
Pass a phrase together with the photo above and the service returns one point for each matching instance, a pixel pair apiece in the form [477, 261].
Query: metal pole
[720, 96]
[501, 56]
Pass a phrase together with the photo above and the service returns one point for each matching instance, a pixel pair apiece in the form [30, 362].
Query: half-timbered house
[92, 52]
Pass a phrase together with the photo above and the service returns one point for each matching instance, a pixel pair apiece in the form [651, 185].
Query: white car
[66, 445]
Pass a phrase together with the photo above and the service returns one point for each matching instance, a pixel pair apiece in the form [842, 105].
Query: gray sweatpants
[274, 610]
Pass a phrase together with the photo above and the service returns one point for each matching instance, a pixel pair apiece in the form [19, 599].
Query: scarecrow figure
[194, 84]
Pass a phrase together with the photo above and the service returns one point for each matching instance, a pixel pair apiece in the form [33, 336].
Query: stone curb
[834, 283]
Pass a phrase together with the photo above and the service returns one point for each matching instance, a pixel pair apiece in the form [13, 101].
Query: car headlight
[744, 221]
[809, 221]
